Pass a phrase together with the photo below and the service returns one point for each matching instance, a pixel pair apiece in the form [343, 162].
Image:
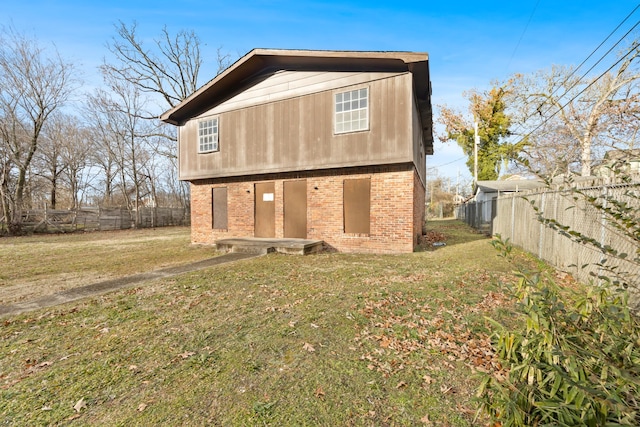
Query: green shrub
[575, 362]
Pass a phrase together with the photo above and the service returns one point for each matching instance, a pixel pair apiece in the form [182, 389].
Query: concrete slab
[260, 245]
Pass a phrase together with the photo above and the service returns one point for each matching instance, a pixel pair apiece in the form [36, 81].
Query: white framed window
[352, 111]
[208, 135]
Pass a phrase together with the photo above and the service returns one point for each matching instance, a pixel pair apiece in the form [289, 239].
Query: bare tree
[48, 159]
[167, 69]
[569, 122]
[124, 139]
[32, 87]
[102, 130]
[75, 152]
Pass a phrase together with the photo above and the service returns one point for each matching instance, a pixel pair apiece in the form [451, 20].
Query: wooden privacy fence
[513, 217]
[103, 218]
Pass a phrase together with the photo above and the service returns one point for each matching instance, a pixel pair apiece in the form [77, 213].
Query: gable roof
[260, 62]
[508, 186]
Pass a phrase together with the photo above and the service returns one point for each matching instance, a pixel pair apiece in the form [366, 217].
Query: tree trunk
[586, 158]
[54, 184]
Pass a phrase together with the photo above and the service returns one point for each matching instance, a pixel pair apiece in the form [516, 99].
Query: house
[326, 145]
[619, 162]
[487, 192]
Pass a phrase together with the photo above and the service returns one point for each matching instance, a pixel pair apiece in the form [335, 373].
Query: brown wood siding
[297, 134]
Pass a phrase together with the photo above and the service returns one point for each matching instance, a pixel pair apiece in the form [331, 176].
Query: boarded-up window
[357, 205]
[219, 208]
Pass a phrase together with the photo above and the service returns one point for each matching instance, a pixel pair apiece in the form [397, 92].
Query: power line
[523, 33]
[447, 164]
[633, 47]
[583, 62]
[603, 42]
[594, 65]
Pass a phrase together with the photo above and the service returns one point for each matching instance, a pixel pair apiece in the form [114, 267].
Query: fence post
[513, 218]
[542, 228]
[603, 227]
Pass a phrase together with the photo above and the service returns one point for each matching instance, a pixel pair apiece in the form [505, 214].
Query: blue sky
[470, 43]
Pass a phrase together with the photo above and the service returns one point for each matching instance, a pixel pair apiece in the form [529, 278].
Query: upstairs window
[352, 110]
[208, 135]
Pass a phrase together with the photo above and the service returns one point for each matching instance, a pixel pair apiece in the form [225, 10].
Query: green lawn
[328, 339]
[44, 264]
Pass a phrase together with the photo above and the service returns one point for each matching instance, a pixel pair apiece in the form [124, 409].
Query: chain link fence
[576, 221]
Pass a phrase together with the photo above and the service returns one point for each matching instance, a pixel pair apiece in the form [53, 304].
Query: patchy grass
[328, 339]
[44, 264]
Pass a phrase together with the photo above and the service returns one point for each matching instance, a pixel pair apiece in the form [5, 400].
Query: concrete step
[258, 245]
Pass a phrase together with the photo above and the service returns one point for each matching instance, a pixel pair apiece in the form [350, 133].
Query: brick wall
[397, 208]
[419, 200]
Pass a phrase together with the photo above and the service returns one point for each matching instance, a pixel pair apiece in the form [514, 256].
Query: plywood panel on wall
[357, 206]
[295, 209]
[265, 213]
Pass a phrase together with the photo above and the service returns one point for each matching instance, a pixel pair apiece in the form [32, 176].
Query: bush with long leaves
[575, 362]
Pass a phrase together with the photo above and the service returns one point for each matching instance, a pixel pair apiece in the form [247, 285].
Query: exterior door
[295, 209]
[265, 214]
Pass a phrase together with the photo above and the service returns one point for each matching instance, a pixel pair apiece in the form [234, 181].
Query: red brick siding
[397, 208]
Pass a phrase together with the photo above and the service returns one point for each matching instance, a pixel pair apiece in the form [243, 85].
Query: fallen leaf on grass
[80, 405]
[142, 407]
[186, 354]
[427, 379]
[385, 342]
[444, 389]
[319, 392]
[308, 347]
[401, 384]
[314, 326]
[425, 420]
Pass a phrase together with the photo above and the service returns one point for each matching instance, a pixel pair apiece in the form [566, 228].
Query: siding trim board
[390, 168]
